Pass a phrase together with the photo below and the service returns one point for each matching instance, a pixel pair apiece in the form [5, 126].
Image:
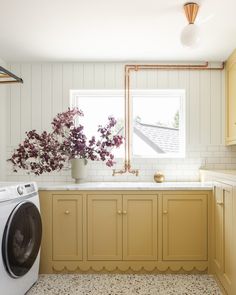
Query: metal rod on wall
[5, 74]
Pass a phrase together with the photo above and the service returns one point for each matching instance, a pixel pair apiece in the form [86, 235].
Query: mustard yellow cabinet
[139, 227]
[231, 100]
[184, 227]
[122, 227]
[104, 227]
[67, 227]
[124, 231]
[224, 252]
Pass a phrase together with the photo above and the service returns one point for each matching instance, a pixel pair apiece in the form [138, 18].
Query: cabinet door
[231, 105]
[218, 228]
[223, 229]
[139, 227]
[104, 227]
[67, 227]
[184, 227]
[228, 234]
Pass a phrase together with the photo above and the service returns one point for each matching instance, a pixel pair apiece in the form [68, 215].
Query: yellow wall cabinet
[231, 100]
[124, 231]
[224, 251]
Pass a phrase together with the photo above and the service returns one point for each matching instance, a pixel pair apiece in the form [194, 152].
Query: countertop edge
[197, 186]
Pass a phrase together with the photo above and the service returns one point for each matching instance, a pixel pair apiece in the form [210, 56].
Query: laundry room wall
[3, 127]
[45, 92]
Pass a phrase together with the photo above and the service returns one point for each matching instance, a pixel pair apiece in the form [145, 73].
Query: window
[158, 119]
[158, 123]
[97, 106]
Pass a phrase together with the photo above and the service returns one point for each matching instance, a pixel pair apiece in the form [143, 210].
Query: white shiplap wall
[45, 92]
[3, 99]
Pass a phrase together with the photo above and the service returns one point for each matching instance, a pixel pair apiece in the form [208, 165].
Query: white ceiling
[112, 30]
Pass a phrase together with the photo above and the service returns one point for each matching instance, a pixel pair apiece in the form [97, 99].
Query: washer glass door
[21, 239]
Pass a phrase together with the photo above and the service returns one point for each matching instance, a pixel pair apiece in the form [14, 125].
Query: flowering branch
[47, 152]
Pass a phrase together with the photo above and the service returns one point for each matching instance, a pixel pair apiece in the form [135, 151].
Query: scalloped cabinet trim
[125, 231]
[132, 267]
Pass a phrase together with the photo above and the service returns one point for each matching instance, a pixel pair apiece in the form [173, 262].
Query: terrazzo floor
[113, 284]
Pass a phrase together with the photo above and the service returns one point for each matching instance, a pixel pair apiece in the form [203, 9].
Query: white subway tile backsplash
[187, 169]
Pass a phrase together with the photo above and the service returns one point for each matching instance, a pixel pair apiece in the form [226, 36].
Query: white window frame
[136, 93]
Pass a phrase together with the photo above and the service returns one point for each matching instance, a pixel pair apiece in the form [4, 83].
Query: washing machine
[20, 237]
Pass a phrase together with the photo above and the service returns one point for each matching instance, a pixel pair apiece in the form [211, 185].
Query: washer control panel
[29, 188]
[25, 189]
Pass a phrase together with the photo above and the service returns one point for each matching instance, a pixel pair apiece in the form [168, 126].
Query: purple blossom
[47, 152]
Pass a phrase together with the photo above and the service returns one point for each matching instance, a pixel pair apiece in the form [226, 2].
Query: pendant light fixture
[190, 36]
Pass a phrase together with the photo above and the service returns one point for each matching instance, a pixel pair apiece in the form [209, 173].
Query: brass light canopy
[191, 11]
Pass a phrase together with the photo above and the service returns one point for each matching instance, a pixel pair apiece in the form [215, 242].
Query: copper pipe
[128, 112]
[121, 171]
[137, 67]
[171, 66]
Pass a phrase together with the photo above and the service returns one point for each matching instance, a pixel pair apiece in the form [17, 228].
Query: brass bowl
[159, 177]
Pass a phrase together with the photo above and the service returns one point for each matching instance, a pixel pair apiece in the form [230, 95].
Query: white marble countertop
[211, 174]
[126, 186]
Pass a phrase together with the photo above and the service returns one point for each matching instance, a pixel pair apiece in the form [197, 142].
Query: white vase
[79, 170]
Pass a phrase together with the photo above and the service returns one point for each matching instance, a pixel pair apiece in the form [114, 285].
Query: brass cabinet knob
[124, 212]
[220, 203]
[67, 212]
[119, 212]
[165, 212]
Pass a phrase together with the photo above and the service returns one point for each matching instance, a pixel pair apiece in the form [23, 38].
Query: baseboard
[222, 289]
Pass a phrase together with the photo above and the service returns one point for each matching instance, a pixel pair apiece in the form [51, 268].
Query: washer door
[21, 239]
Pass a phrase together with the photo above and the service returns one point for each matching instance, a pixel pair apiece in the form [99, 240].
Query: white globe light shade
[190, 36]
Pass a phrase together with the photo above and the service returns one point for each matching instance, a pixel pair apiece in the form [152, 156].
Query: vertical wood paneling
[184, 84]
[216, 111]
[26, 102]
[152, 79]
[57, 85]
[173, 82]
[3, 129]
[99, 76]
[205, 108]
[89, 76]
[110, 76]
[119, 74]
[163, 79]
[194, 110]
[46, 96]
[15, 115]
[78, 76]
[8, 116]
[67, 85]
[36, 105]
[45, 92]
[142, 79]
